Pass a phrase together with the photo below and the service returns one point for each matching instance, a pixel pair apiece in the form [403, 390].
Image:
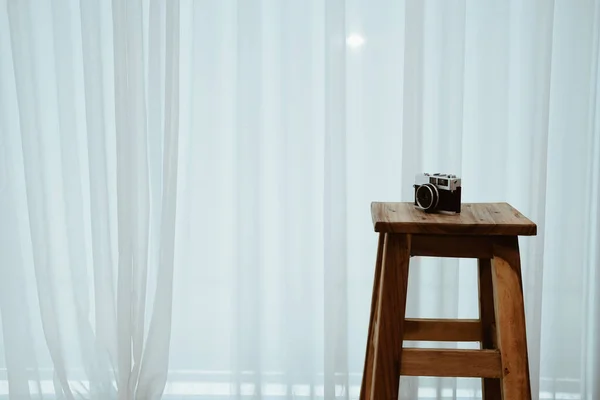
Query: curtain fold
[185, 187]
[335, 208]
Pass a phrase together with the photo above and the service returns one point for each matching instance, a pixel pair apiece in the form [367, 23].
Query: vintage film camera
[437, 192]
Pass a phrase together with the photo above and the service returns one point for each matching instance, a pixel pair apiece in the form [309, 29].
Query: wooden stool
[488, 232]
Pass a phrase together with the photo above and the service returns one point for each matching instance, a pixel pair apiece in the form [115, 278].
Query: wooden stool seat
[485, 231]
[474, 219]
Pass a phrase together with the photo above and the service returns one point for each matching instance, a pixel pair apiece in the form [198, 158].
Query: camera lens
[427, 196]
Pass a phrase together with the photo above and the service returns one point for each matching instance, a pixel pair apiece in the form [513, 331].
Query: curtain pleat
[42, 174]
[334, 205]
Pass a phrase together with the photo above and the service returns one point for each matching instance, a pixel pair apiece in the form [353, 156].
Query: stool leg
[510, 317]
[389, 324]
[490, 387]
[370, 355]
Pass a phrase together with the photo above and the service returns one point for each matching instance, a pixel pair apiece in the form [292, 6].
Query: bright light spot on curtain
[355, 40]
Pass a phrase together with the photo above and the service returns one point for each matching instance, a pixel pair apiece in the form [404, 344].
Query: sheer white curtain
[185, 187]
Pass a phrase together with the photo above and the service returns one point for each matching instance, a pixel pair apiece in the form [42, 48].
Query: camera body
[437, 192]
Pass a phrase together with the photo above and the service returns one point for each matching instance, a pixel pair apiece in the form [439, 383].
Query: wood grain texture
[370, 354]
[474, 219]
[388, 332]
[452, 363]
[442, 330]
[458, 246]
[510, 320]
[490, 387]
